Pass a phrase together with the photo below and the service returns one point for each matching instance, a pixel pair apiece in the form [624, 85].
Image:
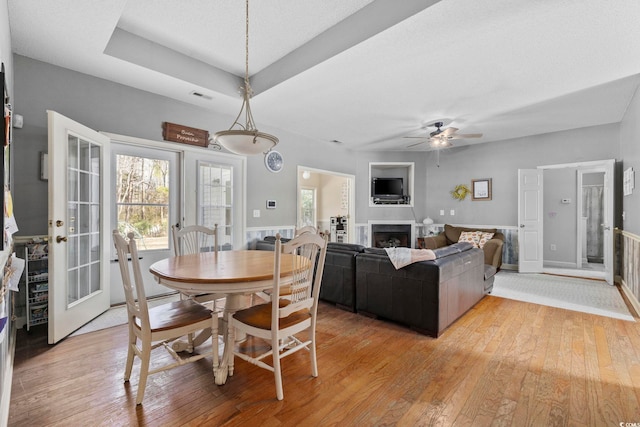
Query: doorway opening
[578, 218]
[324, 196]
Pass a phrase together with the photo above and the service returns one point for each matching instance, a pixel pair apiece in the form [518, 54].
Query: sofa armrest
[433, 242]
[493, 252]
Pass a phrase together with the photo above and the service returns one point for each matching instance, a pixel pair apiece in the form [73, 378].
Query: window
[215, 200]
[142, 200]
[308, 207]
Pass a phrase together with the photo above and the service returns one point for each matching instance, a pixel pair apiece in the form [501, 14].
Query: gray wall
[500, 161]
[560, 218]
[630, 152]
[111, 107]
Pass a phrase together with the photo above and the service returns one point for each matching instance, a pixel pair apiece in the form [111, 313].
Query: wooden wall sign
[185, 134]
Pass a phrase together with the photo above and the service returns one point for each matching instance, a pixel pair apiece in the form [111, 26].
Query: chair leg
[214, 341]
[277, 371]
[230, 346]
[144, 371]
[312, 352]
[130, 355]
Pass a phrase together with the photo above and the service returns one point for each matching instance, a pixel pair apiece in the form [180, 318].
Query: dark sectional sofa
[427, 296]
[339, 277]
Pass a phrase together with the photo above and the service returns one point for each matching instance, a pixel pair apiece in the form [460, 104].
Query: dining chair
[285, 316]
[193, 239]
[150, 328]
[305, 229]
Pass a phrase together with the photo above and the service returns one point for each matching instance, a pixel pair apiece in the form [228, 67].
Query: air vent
[201, 95]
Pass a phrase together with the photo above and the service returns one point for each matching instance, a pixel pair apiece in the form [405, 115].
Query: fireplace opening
[391, 235]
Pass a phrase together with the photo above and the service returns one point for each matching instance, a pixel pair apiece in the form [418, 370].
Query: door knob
[61, 239]
[521, 225]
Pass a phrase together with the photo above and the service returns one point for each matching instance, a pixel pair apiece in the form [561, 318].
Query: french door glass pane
[215, 200]
[142, 193]
[83, 216]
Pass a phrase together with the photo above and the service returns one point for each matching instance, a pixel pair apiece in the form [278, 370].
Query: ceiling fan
[441, 138]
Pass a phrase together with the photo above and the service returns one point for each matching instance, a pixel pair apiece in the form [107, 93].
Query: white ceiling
[364, 72]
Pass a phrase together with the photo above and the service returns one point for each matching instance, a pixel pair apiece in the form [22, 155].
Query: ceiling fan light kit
[441, 138]
[246, 140]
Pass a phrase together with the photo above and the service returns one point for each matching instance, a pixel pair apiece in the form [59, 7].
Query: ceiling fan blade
[464, 136]
[449, 131]
[417, 143]
[418, 137]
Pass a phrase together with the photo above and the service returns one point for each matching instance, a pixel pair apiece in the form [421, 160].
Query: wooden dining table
[237, 274]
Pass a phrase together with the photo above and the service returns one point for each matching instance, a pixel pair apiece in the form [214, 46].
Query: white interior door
[530, 186]
[78, 225]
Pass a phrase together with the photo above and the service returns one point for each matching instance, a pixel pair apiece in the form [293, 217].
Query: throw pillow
[472, 237]
[484, 238]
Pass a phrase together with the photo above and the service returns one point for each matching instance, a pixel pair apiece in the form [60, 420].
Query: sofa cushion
[344, 247]
[453, 233]
[377, 251]
[472, 237]
[484, 238]
[455, 248]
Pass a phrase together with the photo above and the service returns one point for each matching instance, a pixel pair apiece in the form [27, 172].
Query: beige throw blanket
[404, 256]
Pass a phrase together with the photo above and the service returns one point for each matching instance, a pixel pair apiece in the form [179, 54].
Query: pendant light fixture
[245, 139]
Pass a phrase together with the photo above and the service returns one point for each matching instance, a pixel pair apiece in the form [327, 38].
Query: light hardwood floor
[503, 363]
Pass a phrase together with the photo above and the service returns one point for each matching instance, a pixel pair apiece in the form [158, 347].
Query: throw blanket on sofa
[404, 256]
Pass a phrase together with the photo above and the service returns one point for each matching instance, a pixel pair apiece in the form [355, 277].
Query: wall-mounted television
[387, 188]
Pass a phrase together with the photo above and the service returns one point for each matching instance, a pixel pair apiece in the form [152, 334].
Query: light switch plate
[452, 212]
[441, 212]
[256, 213]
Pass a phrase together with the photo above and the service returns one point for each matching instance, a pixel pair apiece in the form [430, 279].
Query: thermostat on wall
[271, 204]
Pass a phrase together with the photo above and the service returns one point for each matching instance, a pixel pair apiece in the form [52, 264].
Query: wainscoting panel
[627, 255]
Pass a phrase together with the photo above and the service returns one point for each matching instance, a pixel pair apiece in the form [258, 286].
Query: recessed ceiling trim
[145, 53]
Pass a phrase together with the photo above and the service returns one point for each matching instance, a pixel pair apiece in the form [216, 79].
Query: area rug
[587, 296]
[118, 315]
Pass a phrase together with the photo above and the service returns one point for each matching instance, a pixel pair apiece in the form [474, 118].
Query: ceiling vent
[201, 95]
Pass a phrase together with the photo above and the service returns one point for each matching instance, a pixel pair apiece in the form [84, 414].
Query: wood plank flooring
[503, 363]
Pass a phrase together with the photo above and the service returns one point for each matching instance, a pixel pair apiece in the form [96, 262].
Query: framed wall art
[481, 189]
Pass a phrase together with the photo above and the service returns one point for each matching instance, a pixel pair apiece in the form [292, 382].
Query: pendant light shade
[245, 142]
[245, 139]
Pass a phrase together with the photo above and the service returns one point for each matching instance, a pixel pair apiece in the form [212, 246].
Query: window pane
[142, 180]
[73, 152]
[142, 193]
[308, 210]
[215, 200]
[149, 225]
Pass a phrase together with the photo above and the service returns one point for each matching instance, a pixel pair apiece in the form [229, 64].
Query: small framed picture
[481, 189]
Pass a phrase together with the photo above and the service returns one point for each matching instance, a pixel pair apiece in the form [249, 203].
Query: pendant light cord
[248, 92]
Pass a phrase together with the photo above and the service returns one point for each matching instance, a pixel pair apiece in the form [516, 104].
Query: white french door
[214, 193]
[78, 225]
